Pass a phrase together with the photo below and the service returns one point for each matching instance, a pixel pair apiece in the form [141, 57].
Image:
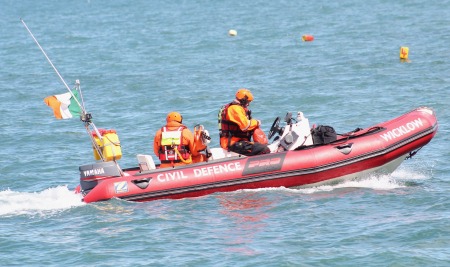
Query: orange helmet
[244, 95]
[174, 116]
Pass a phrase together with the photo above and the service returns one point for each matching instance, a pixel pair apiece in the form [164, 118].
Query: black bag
[249, 149]
[323, 135]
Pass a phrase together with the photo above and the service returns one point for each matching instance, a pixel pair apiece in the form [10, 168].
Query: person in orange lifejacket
[236, 126]
[201, 141]
[174, 144]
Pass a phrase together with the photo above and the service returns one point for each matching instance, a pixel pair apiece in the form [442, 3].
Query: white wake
[47, 201]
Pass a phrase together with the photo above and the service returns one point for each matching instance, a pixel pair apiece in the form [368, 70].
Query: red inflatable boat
[297, 160]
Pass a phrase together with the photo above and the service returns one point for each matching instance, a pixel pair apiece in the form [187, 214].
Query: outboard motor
[91, 173]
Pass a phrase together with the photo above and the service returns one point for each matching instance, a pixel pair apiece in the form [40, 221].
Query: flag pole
[53, 66]
[85, 117]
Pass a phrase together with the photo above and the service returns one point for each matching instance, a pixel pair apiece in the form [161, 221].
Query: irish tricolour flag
[64, 105]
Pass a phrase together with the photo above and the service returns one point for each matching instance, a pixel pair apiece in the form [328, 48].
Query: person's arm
[188, 138]
[237, 115]
[157, 143]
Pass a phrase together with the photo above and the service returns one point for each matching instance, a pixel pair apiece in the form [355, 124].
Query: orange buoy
[404, 51]
[307, 38]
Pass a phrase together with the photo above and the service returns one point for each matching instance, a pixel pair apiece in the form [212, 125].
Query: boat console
[296, 133]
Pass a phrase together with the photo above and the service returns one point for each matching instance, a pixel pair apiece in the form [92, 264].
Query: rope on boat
[186, 161]
[413, 153]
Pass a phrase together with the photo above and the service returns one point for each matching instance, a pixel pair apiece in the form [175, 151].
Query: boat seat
[146, 162]
[220, 153]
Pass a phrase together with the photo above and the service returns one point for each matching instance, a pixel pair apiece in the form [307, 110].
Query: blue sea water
[138, 60]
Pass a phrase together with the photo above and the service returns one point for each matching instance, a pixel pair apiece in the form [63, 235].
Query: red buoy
[307, 38]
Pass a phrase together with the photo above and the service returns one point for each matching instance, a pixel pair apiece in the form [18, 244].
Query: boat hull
[379, 149]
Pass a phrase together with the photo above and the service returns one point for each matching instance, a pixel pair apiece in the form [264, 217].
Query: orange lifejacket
[230, 129]
[171, 141]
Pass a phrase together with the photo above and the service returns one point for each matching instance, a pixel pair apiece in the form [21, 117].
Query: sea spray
[47, 201]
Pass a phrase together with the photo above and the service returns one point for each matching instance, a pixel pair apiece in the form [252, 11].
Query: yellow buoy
[232, 32]
[404, 51]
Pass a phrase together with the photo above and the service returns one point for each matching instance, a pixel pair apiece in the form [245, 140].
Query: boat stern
[92, 174]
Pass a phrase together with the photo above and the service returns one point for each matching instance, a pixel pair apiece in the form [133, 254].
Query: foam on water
[384, 182]
[376, 182]
[47, 201]
[61, 197]
[398, 179]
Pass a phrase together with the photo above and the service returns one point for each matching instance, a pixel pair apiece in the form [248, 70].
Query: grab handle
[142, 183]
[345, 149]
